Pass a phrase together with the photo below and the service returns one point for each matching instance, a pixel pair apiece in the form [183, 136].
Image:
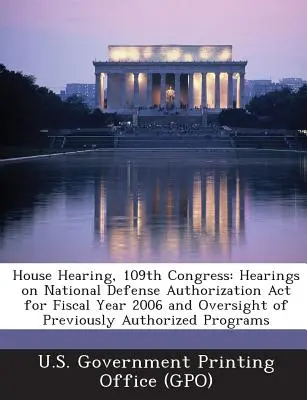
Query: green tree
[26, 108]
[279, 109]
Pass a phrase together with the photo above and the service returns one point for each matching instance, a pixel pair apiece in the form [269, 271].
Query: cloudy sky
[57, 40]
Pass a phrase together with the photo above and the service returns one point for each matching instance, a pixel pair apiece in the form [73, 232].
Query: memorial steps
[184, 137]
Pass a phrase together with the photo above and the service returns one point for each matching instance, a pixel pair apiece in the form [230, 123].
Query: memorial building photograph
[180, 77]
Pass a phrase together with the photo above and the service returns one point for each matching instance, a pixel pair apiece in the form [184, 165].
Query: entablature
[170, 67]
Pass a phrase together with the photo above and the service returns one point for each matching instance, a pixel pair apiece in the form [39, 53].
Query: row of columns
[239, 96]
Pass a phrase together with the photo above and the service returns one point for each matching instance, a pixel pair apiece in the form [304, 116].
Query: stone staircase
[173, 141]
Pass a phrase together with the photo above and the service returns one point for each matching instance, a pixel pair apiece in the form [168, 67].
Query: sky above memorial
[57, 40]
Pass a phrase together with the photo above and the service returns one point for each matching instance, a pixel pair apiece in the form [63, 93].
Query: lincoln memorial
[172, 76]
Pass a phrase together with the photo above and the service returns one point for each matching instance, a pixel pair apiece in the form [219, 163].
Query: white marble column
[98, 90]
[191, 91]
[109, 90]
[123, 90]
[103, 81]
[163, 91]
[217, 91]
[242, 90]
[149, 89]
[204, 89]
[136, 92]
[230, 91]
[177, 90]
